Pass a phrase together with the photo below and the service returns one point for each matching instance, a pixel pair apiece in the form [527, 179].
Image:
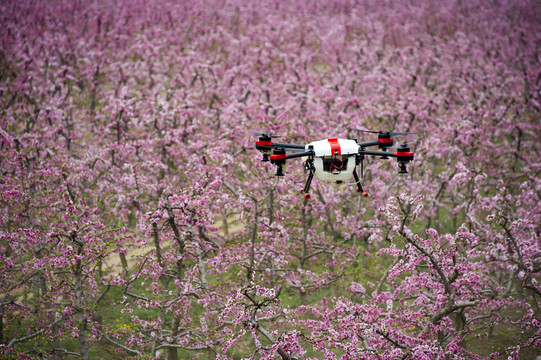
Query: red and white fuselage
[334, 159]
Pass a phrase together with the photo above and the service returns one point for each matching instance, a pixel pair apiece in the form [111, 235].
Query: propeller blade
[403, 145]
[402, 133]
[257, 133]
[370, 131]
[387, 132]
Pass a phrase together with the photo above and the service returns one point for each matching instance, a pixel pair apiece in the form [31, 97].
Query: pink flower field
[137, 219]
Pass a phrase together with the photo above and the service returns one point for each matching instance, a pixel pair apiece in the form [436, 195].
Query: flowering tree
[138, 219]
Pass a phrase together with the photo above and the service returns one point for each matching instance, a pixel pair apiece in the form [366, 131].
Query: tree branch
[23, 339]
[130, 350]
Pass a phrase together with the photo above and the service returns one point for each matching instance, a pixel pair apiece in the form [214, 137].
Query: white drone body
[334, 159]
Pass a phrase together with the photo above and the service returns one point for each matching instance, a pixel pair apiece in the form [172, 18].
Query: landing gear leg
[309, 180]
[359, 186]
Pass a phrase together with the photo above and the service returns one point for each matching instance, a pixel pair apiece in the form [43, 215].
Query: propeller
[404, 145]
[388, 132]
[257, 133]
[402, 133]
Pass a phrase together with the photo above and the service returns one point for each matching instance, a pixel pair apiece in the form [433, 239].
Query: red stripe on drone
[278, 156]
[335, 147]
[385, 141]
[263, 143]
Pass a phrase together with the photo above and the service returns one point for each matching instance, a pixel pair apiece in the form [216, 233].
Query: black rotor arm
[300, 154]
[402, 155]
[290, 146]
[369, 143]
[268, 146]
[376, 153]
[281, 155]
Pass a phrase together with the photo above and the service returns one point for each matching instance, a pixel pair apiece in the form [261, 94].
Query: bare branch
[25, 338]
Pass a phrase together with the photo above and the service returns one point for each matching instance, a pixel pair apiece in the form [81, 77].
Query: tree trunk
[172, 353]
[80, 304]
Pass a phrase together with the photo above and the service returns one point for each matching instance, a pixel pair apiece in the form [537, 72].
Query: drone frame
[276, 153]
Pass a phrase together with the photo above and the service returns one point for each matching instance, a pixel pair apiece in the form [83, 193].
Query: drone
[333, 160]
